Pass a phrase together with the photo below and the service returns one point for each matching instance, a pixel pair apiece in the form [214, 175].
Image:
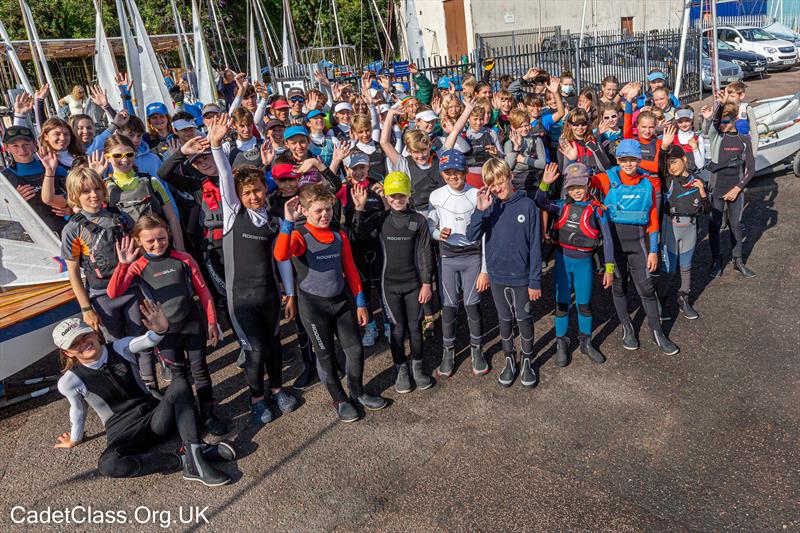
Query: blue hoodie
[513, 241]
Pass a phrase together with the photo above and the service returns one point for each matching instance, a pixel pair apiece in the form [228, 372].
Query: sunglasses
[297, 99]
[128, 155]
[725, 121]
[579, 123]
[610, 117]
[20, 130]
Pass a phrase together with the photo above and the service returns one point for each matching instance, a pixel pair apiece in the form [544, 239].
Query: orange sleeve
[289, 245]
[350, 271]
[600, 181]
[200, 287]
[627, 124]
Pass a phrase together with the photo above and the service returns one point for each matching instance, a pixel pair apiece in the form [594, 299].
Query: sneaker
[285, 401]
[346, 412]
[527, 374]
[629, 340]
[306, 379]
[422, 379]
[479, 364]
[448, 362]
[260, 413]
[373, 403]
[370, 335]
[403, 382]
[509, 373]
[686, 308]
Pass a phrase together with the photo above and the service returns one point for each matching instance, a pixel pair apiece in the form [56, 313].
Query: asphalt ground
[705, 440]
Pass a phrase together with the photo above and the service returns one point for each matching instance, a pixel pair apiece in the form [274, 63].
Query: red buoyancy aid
[212, 211]
[575, 228]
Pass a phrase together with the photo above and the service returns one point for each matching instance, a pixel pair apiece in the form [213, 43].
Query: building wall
[488, 16]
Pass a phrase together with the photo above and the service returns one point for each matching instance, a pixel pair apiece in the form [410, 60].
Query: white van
[780, 54]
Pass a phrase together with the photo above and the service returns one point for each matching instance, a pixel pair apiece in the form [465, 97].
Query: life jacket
[212, 213]
[649, 149]
[586, 156]
[320, 270]
[742, 123]
[168, 281]
[682, 199]
[576, 228]
[135, 202]
[99, 265]
[340, 134]
[238, 157]
[377, 164]
[628, 204]
[423, 182]
[478, 155]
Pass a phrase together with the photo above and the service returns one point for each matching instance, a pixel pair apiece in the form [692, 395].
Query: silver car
[728, 73]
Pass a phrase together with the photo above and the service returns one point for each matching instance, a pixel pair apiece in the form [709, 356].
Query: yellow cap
[397, 183]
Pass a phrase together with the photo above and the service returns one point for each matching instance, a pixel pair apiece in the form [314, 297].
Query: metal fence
[488, 43]
[626, 57]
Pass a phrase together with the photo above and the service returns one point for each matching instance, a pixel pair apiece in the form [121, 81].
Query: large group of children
[333, 207]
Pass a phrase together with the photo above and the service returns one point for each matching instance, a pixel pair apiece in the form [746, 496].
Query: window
[626, 25]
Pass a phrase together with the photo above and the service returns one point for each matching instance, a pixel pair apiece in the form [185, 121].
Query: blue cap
[314, 113]
[355, 159]
[295, 130]
[443, 83]
[452, 160]
[629, 148]
[157, 108]
[653, 76]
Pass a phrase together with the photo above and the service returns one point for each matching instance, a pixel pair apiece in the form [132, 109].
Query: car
[751, 64]
[728, 73]
[780, 54]
[784, 32]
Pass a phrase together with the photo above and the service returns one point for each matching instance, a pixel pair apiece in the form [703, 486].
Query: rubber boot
[739, 266]
[590, 351]
[197, 468]
[716, 268]
[422, 379]
[479, 364]
[686, 308]
[448, 362]
[562, 355]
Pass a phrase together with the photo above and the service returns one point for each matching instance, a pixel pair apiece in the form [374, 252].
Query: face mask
[567, 90]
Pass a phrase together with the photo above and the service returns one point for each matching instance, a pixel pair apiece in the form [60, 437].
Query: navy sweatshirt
[513, 241]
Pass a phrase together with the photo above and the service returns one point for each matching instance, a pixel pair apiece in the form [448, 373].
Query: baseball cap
[342, 106]
[629, 148]
[397, 183]
[676, 152]
[427, 116]
[67, 331]
[383, 108]
[443, 83]
[384, 72]
[210, 108]
[314, 113]
[17, 132]
[684, 113]
[274, 123]
[294, 130]
[576, 174]
[156, 108]
[198, 156]
[452, 160]
[355, 159]
[181, 124]
[295, 91]
[284, 171]
[657, 75]
[312, 178]
[280, 104]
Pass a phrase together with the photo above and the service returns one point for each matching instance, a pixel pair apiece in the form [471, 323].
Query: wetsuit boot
[448, 362]
[667, 346]
[629, 340]
[686, 307]
[509, 373]
[527, 375]
[197, 468]
[590, 351]
[738, 265]
[716, 268]
[562, 356]
[402, 383]
[479, 364]
[422, 379]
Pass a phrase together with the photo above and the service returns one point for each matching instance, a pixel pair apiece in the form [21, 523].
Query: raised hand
[436, 104]
[98, 96]
[307, 165]
[218, 128]
[312, 101]
[668, 136]
[127, 251]
[267, 152]
[241, 81]
[153, 317]
[554, 85]
[516, 140]
[723, 97]
[322, 78]
[261, 90]
[485, 199]
[532, 73]
[122, 80]
[693, 142]
[341, 150]
[291, 209]
[377, 188]
[23, 104]
[706, 112]
[194, 146]
[49, 160]
[336, 90]
[121, 119]
[569, 150]
[359, 195]
[41, 93]
[550, 173]
[412, 68]
[98, 163]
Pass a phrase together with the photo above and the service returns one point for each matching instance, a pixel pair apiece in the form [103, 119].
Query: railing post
[646, 58]
[577, 69]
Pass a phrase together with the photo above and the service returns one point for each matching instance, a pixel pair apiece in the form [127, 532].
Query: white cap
[182, 124]
[383, 108]
[67, 331]
[342, 106]
[427, 116]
